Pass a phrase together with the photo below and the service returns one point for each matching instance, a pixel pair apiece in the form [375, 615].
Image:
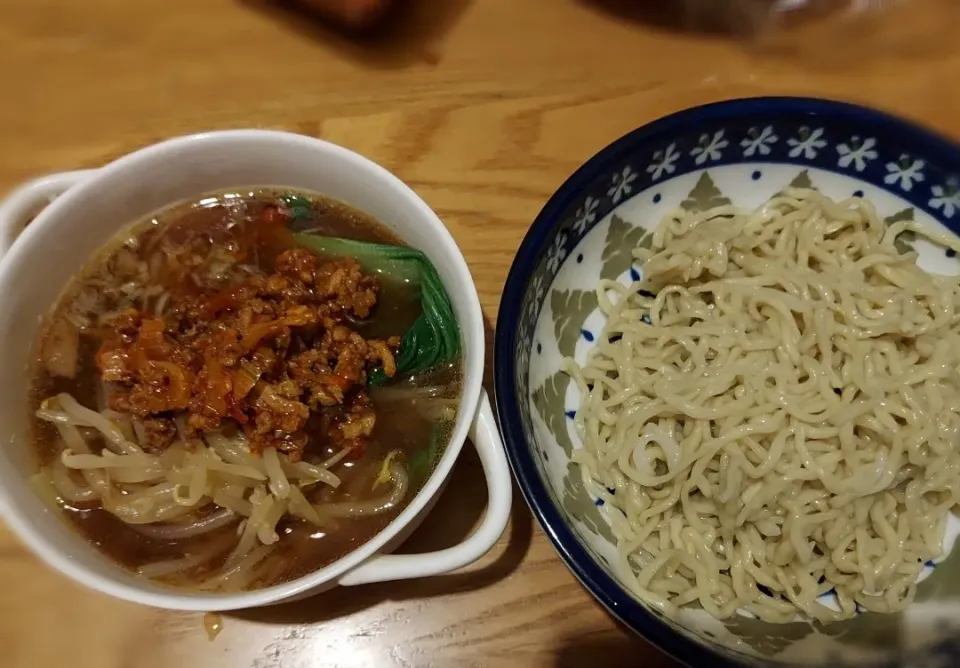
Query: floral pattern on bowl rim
[743, 151]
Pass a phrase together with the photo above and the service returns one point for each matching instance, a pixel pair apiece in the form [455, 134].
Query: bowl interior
[62, 238]
[743, 157]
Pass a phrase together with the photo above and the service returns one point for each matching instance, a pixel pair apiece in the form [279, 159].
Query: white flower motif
[523, 359]
[557, 252]
[621, 184]
[539, 288]
[808, 144]
[708, 148]
[758, 142]
[527, 326]
[664, 162]
[523, 350]
[906, 172]
[858, 153]
[586, 214]
[527, 322]
[945, 198]
[533, 306]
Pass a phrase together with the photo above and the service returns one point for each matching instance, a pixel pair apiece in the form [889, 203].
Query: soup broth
[220, 406]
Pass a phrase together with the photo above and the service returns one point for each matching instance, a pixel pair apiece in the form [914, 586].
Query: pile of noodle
[196, 486]
[775, 410]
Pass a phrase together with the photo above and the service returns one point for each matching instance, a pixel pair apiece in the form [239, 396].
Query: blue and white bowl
[741, 152]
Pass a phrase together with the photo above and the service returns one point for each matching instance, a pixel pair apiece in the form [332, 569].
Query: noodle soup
[243, 389]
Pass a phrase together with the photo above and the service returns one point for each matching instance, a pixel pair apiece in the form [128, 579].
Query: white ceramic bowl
[88, 207]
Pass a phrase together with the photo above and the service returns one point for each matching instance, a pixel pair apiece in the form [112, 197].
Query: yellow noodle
[787, 419]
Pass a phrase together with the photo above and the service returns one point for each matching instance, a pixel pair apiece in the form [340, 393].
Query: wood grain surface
[484, 107]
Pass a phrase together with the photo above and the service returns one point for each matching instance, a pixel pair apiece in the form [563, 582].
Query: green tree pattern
[579, 505]
[705, 195]
[802, 181]
[622, 239]
[765, 638]
[904, 241]
[570, 309]
[550, 402]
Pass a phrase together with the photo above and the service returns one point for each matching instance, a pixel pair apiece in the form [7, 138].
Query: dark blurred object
[740, 17]
[759, 17]
[394, 34]
[353, 14]
[746, 18]
[829, 35]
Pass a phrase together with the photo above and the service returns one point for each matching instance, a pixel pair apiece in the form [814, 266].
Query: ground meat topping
[265, 353]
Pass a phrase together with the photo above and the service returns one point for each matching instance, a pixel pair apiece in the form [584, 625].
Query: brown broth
[302, 547]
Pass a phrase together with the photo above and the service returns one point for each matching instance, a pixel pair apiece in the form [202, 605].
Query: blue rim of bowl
[601, 585]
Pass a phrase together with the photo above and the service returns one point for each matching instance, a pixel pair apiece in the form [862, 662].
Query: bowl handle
[486, 438]
[31, 197]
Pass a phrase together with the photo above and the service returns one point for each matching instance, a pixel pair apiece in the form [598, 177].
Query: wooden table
[484, 107]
